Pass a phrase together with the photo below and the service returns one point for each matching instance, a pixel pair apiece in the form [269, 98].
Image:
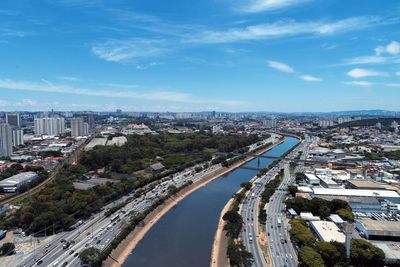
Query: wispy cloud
[69, 78]
[396, 85]
[149, 65]
[310, 78]
[47, 86]
[280, 66]
[118, 92]
[286, 28]
[398, 73]
[129, 50]
[384, 54]
[361, 73]
[288, 69]
[254, 6]
[359, 83]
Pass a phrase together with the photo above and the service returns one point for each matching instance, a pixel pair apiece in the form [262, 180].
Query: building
[13, 183]
[379, 230]
[270, 123]
[78, 127]
[312, 179]
[49, 126]
[13, 119]
[327, 231]
[337, 192]
[17, 137]
[5, 140]
[90, 119]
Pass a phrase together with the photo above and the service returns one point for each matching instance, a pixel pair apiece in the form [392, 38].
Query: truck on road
[279, 222]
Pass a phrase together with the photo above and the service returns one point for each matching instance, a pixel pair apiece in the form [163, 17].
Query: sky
[180, 55]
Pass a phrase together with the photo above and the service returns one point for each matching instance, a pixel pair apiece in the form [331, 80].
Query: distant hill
[370, 122]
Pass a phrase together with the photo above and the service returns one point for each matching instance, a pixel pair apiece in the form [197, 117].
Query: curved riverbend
[184, 236]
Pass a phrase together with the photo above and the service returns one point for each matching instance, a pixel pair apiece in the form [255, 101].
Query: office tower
[5, 140]
[13, 119]
[85, 128]
[17, 137]
[50, 126]
[78, 128]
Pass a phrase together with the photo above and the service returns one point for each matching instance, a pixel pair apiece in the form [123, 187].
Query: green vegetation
[178, 151]
[236, 251]
[292, 190]
[246, 185]
[300, 177]
[7, 249]
[320, 207]
[301, 234]
[310, 258]
[59, 205]
[90, 256]
[364, 253]
[269, 190]
[392, 155]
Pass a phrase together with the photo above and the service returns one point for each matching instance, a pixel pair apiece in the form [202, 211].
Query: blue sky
[179, 55]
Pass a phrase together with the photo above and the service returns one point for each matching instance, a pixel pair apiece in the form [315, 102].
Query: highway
[99, 231]
[277, 225]
[283, 253]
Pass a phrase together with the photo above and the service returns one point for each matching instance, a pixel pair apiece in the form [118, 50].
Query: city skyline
[232, 56]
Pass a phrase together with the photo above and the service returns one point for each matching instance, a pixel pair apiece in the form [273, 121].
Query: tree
[346, 214]
[310, 258]
[246, 185]
[364, 253]
[7, 249]
[329, 253]
[324, 212]
[90, 256]
[292, 190]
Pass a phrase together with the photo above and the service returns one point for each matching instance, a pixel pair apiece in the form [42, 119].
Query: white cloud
[26, 103]
[69, 78]
[361, 73]
[310, 78]
[393, 48]
[129, 50]
[398, 73]
[365, 60]
[47, 86]
[280, 66]
[3, 103]
[359, 83]
[397, 85]
[284, 28]
[254, 6]
[117, 92]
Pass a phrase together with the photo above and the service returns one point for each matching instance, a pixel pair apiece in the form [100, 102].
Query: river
[184, 236]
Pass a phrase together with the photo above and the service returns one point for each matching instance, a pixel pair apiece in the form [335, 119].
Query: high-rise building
[17, 137]
[49, 125]
[270, 123]
[90, 120]
[13, 119]
[78, 127]
[5, 140]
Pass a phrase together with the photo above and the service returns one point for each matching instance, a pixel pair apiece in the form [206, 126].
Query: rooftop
[356, 192]
[386, 226]
[18, 178]
[328, 231]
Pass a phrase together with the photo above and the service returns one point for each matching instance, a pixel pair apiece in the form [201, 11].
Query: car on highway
[39, 262]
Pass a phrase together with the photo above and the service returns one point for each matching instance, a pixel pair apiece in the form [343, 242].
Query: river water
[184, 236]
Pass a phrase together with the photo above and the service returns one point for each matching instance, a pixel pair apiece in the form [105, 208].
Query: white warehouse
[13, 183]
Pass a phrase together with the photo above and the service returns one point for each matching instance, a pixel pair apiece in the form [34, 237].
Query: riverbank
[218, 253]
[124, 249]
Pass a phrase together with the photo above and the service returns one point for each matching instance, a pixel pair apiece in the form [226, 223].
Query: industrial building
[13, 183]
[379, 194]
[379, 230]
[327, 231]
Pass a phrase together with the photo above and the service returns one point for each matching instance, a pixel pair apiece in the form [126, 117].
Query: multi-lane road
[99, 230]
[280, 248]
